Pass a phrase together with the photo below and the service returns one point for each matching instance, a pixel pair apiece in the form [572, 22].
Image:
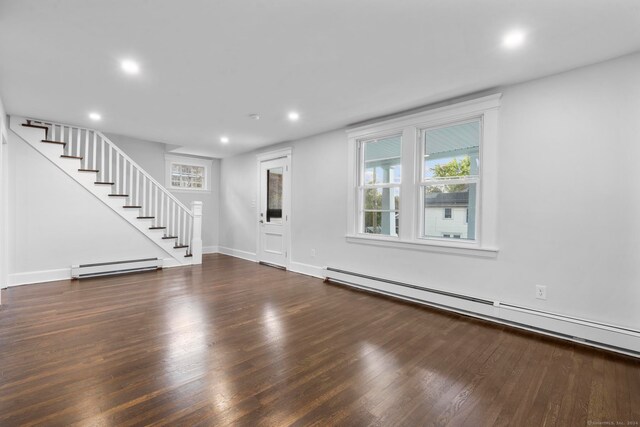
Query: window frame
[171, 160]
[424, 182]
[411, 128]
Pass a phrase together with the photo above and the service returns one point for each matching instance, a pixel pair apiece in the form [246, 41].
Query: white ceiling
[206, 65]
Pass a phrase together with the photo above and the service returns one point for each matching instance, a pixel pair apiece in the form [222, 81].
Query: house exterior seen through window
[451, 164]
[187, 176]
[380, 185]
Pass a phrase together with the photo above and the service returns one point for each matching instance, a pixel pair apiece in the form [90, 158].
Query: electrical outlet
[541, 292]
[313, 252]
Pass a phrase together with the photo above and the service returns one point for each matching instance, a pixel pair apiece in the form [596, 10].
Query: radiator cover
[84, 271]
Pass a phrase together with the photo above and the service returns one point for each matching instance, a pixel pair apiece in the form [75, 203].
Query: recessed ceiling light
[130, 67]
[293, 116]
[513, 39]
[95, 116]
[254, 116]
[224, 139]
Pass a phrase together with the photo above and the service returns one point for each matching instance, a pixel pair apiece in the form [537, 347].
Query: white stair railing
[98, 153]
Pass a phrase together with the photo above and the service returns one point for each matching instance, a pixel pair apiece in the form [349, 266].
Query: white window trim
[410, 126]
[172, 159]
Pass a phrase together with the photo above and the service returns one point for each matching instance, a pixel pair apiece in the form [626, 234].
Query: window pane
[385, 223]
[382, 160]
[274, 194]
[452, 151]
[455, 198]
[382, 198]
[186, 176]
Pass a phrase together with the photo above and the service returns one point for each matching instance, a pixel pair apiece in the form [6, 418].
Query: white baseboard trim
[32, 277]
[210, 249]
[249, 256]
[307, 269]
[170, 263]
[17, 279]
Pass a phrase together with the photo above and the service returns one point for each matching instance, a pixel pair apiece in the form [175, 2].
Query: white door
[273, 228]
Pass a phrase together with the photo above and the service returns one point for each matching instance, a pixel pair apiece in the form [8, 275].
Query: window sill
[468, 249]
[186, 190]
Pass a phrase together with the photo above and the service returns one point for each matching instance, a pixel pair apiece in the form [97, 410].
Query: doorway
[274, 214]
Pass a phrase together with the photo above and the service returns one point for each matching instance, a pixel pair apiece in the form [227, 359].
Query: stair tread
[118, 195]
[169, 237]
[54, 142]
[71, 157]
[105, 183]
[132, 207]
[29, 125]
[157, 228]
[188, 255]
[146, 217]
[88, 170]
[180, 246]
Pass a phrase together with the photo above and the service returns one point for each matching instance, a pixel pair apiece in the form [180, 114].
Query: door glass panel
[274, 194]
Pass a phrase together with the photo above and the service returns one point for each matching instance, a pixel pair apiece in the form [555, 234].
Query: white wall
[150, 155]
[4, 164]
[238, 187]
[569, 202]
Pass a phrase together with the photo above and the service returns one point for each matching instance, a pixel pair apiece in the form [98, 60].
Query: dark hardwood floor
[235, 343]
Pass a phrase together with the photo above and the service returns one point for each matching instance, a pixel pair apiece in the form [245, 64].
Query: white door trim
[272, 155]
[275, 154]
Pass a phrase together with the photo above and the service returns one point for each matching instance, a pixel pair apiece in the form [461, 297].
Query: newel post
[196, 238]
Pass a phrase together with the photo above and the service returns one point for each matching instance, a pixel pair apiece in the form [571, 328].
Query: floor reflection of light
[89, 404]
[376, 359]
[378, 369]
[274, 338]
[272, 322]
[192, 351]
[186, 341]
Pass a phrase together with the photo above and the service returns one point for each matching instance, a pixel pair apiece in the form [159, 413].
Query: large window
[380, 178]
[427, 180]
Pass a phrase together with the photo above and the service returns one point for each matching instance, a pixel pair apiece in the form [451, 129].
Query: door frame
[286, 206]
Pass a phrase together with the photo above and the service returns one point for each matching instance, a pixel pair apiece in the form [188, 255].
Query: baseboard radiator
[595, 334]
[116, 267]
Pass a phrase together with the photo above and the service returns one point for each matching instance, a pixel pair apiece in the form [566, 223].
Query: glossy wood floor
[235, 343]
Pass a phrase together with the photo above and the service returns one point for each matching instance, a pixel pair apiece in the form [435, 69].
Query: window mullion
[408, 194]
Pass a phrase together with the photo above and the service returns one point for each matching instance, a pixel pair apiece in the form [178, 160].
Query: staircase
[96, 163]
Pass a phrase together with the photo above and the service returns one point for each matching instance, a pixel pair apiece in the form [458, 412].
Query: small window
[447, 213]
[187, 176]
[187, 173]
